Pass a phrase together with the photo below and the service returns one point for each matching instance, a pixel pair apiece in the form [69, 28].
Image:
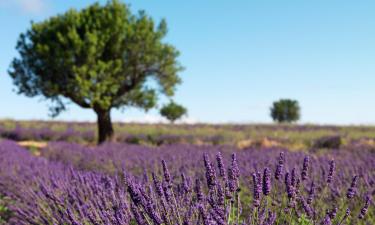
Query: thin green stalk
[230, 211]
[238, 208]
[177, 209]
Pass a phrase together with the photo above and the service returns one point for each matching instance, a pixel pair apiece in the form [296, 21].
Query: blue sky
[239, 56]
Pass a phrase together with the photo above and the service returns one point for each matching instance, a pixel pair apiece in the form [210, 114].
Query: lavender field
[136, 112]
[66, 182]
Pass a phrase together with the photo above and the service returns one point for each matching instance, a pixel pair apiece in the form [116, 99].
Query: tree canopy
[285, 110]
[173, 111]
[100, 57]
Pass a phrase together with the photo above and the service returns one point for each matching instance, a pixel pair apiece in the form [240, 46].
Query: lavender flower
[327, 220]
[204, 215]
[311, 193]
[289, 187]
[267, 181]
[363, 212]
[306, 207]
[331, 171]
[185, 184]
[352, 190]
[158, 186]
[220, 164]
[210, 172]
[198, 190]
[167, 175]
[256, 191]
[305, 168]
[280, 166]
[235, 169]
[333, 213]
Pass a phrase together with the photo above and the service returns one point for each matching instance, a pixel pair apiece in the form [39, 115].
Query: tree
[173, 111]
[101, 57]
[285, 110]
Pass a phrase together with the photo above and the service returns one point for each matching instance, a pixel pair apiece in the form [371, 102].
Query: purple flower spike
[363, 212]
[220, 164]
[235, 169]
[306, 207]
[158, 186]
[267, 181]
[167, 175]
[333, 213]
[311, 193]
[332, 166]
[289, 187]
[347, 213]
[352, 190]
[305, 168]
[327, 220]
[257, 190]
[198, 190]
[210, 173]
[280, 166]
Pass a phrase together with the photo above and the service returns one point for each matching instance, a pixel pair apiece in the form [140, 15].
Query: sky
[239, 55]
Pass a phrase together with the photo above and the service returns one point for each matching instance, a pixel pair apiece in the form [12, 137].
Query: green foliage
[303, 220]
[285, 110]
[100, 57]
[173, 111]
[4, 212]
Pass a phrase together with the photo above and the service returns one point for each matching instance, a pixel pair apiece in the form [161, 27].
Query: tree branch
[78, 101]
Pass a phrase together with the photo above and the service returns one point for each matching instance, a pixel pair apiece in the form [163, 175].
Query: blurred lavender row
[241, 136]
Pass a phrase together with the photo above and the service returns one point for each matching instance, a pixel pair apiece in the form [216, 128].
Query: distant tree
[285, 110]
[173, 111]
[101, 57]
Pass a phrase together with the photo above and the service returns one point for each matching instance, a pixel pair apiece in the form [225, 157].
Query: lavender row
[185, 185]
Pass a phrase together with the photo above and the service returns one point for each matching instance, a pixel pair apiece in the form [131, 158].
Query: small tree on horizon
[285, 111]
[101, 57]
[173, 111]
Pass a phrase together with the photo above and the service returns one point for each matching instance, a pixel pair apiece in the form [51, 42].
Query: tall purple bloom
[306, 207]
[256, 191]
[198, 190]
[167, 192]
[266, 181]
[289, 187]
[352, 190]
[305, 168]
[347, 212]
[158, 186]
[204, 215]
[185, 184]
[167, 175]
[220, 195]
[152, 213]
[210, 172]
[233, 175]
[332, 166]
[220, 164]
[232, 181]
[363, 212]
[327, 220]
[134, 193]
[293, 179]
[311, 193]
[235, 169]
[280, 166]
[333, 213]
[137, 216]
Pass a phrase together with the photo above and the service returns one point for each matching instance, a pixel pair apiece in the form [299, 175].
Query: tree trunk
[105, 129]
